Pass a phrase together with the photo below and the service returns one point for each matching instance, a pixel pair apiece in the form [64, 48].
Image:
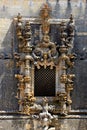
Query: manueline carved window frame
[27, 58]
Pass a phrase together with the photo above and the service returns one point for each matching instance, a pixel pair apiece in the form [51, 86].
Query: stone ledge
[4, 117]
[13, 116]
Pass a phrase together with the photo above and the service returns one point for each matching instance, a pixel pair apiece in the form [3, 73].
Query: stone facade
[8, 84]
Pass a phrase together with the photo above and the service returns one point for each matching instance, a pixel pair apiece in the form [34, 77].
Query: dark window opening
[44, 81]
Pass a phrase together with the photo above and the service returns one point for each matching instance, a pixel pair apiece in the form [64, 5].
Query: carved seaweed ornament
[45, 53]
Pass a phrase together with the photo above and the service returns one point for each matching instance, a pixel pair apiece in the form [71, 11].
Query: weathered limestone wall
[24, 123]
[10, 8]
[8, 89]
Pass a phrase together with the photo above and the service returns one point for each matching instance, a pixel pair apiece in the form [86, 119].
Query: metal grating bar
[45, 82]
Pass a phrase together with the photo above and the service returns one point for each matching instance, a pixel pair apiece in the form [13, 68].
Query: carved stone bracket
[44, 53]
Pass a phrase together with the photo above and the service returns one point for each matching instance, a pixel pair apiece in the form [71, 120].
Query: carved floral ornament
[44, 53]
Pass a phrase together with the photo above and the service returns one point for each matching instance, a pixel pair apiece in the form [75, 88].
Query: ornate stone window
[44, 63]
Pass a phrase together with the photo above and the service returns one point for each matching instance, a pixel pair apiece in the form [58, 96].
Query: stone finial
[71, 18]
[19, 17]
[45, 12]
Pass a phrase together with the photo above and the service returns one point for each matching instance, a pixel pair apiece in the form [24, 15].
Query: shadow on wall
[61, 8]
[8, 84]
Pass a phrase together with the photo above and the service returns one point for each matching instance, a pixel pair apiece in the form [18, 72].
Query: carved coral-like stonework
[43, 54]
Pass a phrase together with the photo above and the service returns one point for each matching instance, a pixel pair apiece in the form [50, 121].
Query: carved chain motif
[45, 53]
